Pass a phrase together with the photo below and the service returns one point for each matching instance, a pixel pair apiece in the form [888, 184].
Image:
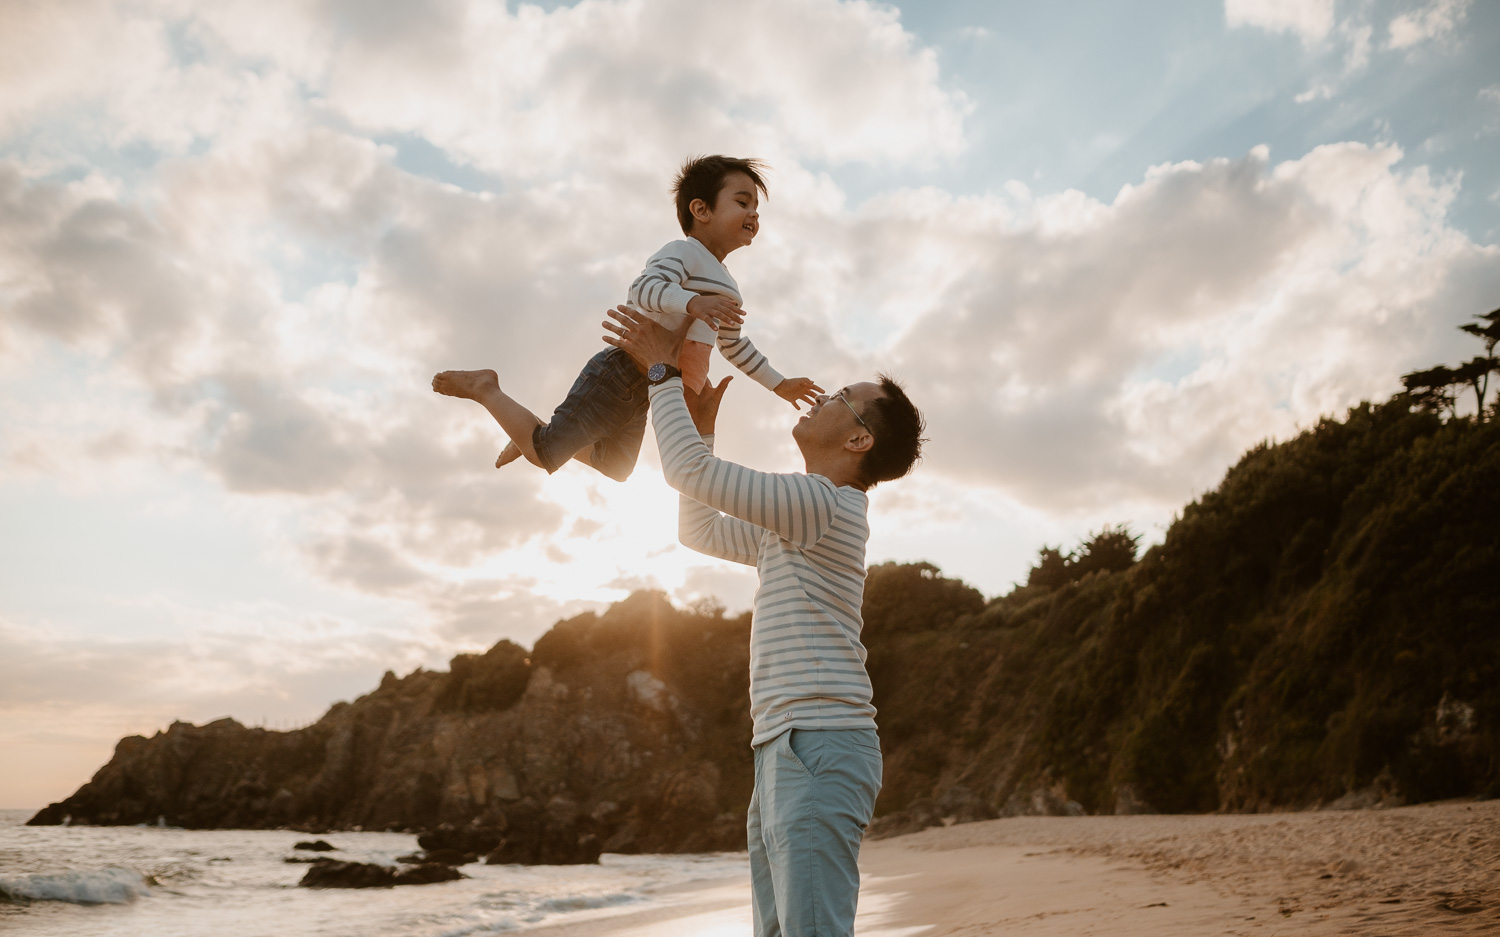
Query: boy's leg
[615, 455]
[603, 414]
[483, 387]
[512, 452]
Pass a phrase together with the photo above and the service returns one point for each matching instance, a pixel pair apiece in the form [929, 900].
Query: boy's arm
[659, 288]
[798, 508]
[705, 530]
[738, 351]
[662, 289]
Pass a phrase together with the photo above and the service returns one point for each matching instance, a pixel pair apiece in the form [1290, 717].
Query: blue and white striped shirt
[806, 538]
[673, 276]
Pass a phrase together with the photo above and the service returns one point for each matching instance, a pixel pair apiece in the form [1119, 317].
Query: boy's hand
[716, 311]
[798, 390]
[705, 406]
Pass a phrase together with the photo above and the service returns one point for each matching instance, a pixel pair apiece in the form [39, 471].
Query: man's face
[736, 212]
[835, 418]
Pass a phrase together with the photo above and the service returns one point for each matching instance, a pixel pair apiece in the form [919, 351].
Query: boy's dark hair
[703, 177]
[897, 426]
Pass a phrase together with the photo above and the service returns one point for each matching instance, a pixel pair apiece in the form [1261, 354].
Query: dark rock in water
[316, 845]
[557, 849]
[331, 873]
[554, 834]
[447, 837]
[414, 858]
[448, 857]
[427, 874]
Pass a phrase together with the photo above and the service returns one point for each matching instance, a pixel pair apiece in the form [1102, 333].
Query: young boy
[603, 418]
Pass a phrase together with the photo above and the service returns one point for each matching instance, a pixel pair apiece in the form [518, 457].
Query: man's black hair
[703, 177]
[897, 426]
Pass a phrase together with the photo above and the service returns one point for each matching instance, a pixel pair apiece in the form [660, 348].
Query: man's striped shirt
[673, 276]
[806, 538]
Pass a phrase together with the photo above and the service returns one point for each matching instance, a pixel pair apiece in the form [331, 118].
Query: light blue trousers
[814, 795]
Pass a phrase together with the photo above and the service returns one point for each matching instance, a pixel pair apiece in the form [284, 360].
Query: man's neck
[838, 471]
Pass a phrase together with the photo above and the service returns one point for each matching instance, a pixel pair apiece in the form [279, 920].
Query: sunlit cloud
[1435, 21]
[237, 239]
[1309, 19]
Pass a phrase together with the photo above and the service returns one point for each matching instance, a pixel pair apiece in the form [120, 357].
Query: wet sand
[1402, 872]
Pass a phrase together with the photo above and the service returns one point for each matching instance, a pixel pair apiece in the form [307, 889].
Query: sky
[1107, 247]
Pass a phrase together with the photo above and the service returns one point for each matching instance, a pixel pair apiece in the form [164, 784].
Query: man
[817, 757]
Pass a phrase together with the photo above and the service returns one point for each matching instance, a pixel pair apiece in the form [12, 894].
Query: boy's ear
[700, 210]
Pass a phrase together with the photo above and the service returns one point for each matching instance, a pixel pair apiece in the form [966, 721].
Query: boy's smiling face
[734, 219]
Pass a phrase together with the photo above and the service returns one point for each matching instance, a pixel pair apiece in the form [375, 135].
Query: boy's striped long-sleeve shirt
[806, 537]
[673, 276]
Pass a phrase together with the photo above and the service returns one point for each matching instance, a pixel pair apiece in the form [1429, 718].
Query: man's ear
[699, 209]
[859, 441]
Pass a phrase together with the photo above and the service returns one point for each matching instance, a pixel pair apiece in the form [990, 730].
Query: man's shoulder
[848, 494]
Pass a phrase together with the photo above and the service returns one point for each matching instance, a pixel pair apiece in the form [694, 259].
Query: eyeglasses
[840, 395]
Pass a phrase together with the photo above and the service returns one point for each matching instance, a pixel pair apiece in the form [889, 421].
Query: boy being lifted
[603, 418]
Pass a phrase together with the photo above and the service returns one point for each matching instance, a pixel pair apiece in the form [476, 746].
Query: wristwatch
[661, 371]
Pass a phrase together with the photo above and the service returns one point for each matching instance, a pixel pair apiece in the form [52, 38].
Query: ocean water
[164, 882]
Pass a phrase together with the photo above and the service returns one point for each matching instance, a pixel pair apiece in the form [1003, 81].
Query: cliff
[1321, 629]
[630, 728]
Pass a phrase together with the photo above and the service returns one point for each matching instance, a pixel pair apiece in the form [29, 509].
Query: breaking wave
[101, 886]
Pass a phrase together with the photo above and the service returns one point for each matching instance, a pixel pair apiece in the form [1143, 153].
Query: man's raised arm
[797, 507]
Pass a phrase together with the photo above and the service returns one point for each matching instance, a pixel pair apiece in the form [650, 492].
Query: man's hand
[716, 311]
[643, 339]
[705, 406]
[795, 389]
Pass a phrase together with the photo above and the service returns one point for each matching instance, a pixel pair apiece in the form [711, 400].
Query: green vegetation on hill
[1324, 624]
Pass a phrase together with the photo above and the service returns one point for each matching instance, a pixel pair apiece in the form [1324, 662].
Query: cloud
[531, 92]
[1435, 21]
[1077, 354]
[1309, 19]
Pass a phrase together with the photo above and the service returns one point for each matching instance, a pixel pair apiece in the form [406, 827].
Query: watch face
[656, 372]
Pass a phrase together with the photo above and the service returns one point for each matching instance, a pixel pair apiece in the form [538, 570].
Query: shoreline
[1400, 872]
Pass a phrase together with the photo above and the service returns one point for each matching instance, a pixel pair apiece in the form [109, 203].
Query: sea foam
[99, 886]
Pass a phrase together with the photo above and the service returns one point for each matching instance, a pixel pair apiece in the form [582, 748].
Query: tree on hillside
[1476, 373]
[1051, 569]
[1110, 549]
[1433, 389]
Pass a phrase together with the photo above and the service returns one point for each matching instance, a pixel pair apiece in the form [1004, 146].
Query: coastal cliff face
[629, 729]
[1320, 630]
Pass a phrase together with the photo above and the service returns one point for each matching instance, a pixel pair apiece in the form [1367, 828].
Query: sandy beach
[1405, 871]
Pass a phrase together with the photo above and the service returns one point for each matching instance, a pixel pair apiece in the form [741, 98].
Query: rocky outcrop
[330, 873]
[627, 732]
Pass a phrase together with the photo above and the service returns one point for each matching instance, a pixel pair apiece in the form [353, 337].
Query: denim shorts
[605, 412]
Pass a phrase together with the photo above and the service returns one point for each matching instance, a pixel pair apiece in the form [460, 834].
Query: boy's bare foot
[469, 384]
[509, 454]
